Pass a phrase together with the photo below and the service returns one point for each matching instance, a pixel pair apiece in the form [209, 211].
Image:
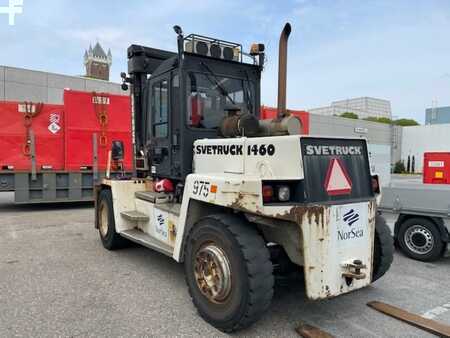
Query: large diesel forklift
[233, 197]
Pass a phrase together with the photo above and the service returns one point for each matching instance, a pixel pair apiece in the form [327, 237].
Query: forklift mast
[142, 62]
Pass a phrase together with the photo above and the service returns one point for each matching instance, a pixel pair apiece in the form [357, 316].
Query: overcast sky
[396, 50]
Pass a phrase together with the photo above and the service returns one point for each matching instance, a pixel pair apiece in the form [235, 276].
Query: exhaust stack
[284, 124]
[282, 70]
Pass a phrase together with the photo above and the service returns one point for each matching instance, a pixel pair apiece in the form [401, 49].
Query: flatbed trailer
[419, 217]
[51, 186]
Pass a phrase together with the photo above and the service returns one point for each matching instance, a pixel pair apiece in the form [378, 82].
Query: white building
[362, 106]
[419, 139]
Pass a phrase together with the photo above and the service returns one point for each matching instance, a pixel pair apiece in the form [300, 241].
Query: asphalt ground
[57, 280]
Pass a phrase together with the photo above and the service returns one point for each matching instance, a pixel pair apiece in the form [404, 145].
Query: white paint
[437, 311]
[329, 239]
[419, 139]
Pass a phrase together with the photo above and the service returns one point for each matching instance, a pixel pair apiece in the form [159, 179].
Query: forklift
[233, 197]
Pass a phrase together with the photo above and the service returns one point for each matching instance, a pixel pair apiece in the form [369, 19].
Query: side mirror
[124, 86]
[117, 151]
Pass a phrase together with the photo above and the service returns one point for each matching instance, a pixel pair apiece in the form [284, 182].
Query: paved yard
[57, 280]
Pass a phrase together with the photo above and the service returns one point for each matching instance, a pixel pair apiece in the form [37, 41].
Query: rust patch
[297, 214]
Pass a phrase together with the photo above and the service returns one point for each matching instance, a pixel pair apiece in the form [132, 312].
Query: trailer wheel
[111, 240]
[420, 239]
[383, 253]
[228, 272]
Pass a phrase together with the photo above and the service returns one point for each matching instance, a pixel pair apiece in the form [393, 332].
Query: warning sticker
[54, 120]
[161, 225]
[54, 127]
[337, 181]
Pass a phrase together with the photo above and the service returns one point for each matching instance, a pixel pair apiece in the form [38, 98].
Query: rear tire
[420, 239]
[383, 253]
[228, 272]
[111, 240]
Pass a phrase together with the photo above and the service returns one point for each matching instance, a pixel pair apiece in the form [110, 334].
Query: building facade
[437, 115]
[362, 106]
[17, 84]
[97, 62]
[379, 137]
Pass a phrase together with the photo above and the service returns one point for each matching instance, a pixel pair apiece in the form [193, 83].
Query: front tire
[228, 272]
[419, 238]
[111, 240]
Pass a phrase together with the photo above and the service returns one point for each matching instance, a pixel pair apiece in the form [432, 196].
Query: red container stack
[106, 115]
[271, 113]
[46, 124]
[63, 134]
[436, 168]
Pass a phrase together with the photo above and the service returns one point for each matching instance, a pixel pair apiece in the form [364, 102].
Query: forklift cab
[179, 98]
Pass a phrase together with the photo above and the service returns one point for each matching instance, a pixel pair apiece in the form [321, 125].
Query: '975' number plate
[201, 188]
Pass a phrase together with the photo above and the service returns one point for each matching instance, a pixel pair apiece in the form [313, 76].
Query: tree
[371, 119]
[385, 120]
[399, 122]
[399, 167]
[379, 119]
[349, 115]
[406, 122]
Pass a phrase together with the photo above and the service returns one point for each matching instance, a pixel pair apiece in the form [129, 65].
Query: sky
[392, 49]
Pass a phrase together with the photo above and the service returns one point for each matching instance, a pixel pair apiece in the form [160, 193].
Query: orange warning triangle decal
[337, 181]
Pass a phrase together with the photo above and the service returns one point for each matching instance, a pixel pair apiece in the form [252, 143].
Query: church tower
[97, 62]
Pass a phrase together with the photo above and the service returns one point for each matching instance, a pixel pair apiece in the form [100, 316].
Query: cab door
[159, 128]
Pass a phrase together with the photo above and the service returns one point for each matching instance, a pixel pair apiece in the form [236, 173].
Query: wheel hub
[212, 273]
[103, 219]
[419, 239]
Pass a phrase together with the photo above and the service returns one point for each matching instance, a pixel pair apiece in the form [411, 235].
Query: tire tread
[258, 266]
[384, 248]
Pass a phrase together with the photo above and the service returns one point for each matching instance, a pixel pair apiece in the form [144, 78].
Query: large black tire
[383, 253]
[111, 240]
[250, 269]
[420, 239]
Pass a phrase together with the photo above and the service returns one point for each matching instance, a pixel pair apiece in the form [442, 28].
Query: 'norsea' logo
[350, 218]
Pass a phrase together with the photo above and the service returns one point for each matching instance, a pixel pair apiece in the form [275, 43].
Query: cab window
[160, 108]
[208, 96]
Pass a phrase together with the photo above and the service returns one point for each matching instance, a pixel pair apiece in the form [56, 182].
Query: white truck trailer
[419, 217]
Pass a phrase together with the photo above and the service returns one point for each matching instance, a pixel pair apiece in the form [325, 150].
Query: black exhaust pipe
[282, 70]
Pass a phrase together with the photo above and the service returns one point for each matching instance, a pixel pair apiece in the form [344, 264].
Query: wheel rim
[419, 239]
[212, 273]
[103, 224]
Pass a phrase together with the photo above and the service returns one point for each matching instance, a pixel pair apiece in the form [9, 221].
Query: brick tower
[97, 62]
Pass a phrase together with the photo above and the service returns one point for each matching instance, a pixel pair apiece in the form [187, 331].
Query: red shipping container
[436, 168]
[106, 115]
[47, 125]
[271, 113]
